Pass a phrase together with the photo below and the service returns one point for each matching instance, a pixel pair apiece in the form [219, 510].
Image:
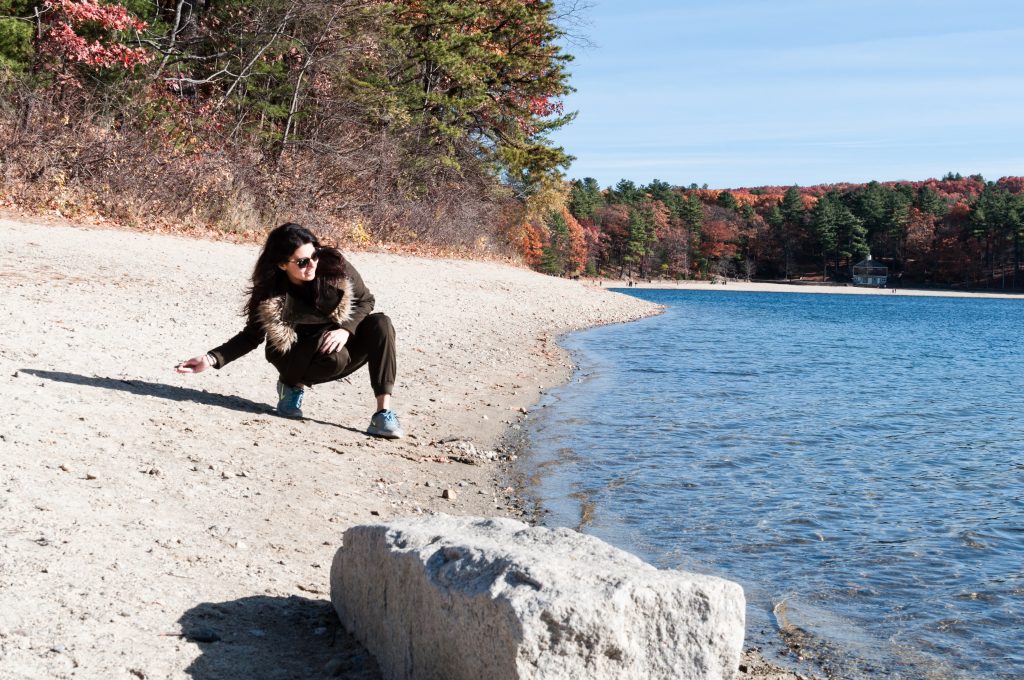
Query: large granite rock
[462, 598]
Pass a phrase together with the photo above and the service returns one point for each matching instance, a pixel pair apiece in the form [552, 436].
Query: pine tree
[641, 236]
[793, 215]
[825, 228]
[585, 198]
[555, 252]
[727, 200]
[481, 79]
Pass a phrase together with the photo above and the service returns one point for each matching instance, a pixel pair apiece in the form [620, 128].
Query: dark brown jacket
[283, 319]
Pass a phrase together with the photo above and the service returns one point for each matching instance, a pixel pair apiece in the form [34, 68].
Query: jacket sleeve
[248, 339]
[362, 303]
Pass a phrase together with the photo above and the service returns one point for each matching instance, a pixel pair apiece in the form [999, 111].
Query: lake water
[855, 462]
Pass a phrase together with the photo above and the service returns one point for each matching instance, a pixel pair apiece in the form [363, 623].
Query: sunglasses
[304, 262]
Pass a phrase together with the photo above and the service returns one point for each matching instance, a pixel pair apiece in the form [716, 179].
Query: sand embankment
[135, 501]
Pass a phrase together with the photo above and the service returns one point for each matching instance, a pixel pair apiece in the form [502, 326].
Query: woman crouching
[313, 309]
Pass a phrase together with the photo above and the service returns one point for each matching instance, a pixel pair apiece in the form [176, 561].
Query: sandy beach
[158, 525]
[803, 287]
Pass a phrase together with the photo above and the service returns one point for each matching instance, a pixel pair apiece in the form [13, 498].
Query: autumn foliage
[956, 230]
[415, 121]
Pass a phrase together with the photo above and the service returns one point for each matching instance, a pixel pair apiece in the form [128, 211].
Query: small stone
[334, 667]
[90, 476]
[257, 632]
[448, 494]
[64, 467]
[58, 649]
[319, 631]
[427, 484]
[375, 513]
[202, 635]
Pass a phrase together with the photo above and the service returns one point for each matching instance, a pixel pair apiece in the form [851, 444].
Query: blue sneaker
[385, 424]
[289, 400]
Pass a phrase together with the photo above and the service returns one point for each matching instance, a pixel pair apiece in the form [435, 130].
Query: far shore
[739, 285]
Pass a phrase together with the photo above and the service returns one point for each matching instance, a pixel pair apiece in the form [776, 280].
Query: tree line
[417, 121]
[957, 230]
[412, 120]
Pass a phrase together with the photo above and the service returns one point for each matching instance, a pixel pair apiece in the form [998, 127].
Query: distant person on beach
[313, 309]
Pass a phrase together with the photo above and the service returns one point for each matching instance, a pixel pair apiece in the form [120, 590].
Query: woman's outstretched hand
[194, 365]
[334, 340]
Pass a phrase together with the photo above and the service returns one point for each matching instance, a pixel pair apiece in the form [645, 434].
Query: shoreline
[797, 287]
[793, 662]
[143, 506]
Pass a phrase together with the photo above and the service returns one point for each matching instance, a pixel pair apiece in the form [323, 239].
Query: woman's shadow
[266, 638]
[171, 392]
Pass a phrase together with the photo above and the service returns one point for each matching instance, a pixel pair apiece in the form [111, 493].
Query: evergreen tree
[929, 201]
[626, 192]
[851, 236]
[793, 215]
[663, 191]
[998, 221]
[15, 35]
[869, 203]
[553, 259]
[691, 211]
[477, 79]
[897, 218]
[824, 225]
[585, 198]
[641, 237]
[727, 200]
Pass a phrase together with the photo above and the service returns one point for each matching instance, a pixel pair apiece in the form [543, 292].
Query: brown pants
[373, 344]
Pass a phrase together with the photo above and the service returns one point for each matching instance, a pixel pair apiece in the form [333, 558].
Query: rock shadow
[170, 392]
[273, 638]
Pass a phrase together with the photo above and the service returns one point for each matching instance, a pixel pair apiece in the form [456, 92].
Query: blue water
[854, 461]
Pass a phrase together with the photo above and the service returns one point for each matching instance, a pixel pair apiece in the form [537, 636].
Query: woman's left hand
[332, 341]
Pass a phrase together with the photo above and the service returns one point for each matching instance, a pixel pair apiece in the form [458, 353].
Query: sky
[781, 92]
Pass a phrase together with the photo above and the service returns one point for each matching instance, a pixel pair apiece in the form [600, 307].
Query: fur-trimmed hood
[281, 314]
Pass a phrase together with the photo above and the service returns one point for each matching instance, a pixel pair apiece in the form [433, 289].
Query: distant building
[870, 272]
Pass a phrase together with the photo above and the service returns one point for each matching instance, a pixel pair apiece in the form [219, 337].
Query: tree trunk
[1016, 256]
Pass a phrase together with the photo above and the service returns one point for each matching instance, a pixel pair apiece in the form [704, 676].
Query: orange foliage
[532, 244]
[576, 258]
[719, 236]
[920, 232]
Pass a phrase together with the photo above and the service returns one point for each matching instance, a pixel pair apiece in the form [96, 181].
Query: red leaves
[67, 21]
[108, 17]
[545, 106]
[532, 244]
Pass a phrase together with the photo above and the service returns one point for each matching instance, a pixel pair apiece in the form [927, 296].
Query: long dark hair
[269, 280]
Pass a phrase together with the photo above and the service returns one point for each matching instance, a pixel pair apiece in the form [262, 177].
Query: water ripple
[856, 458]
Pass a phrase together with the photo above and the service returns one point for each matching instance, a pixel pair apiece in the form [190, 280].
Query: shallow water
[854, 461]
